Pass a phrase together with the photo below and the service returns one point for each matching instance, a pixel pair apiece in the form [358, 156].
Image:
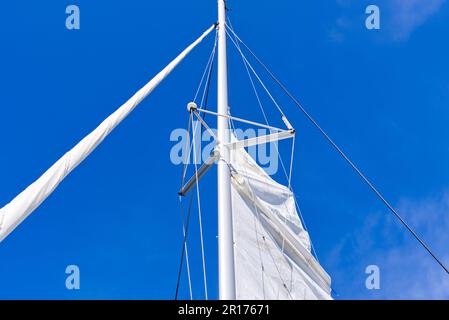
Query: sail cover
[28, 200]
[272, 249]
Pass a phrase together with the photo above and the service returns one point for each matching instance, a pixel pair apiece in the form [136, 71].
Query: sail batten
[272, 250]
[28, 200]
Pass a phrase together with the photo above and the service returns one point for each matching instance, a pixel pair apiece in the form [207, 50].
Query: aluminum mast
[225, 234]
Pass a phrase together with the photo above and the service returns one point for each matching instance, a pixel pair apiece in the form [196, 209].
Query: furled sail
[272, 249]
[26, 202]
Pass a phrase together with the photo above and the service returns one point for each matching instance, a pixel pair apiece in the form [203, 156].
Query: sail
[26, 202]
[272, 249]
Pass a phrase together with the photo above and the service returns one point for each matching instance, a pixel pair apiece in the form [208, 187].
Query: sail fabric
[26, 202]
[271, 248]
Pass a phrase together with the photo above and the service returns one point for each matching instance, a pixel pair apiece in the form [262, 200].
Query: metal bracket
[261, 139]
[201, 172]
[278, 135]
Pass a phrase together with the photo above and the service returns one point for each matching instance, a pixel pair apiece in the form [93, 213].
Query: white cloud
[336, 36]
[407, 270]
[337, 32]
[407, 15]
[399, 18]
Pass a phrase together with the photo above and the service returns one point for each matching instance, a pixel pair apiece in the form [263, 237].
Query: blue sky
[382, 95]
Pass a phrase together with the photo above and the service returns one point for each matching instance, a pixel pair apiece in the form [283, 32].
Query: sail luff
[28, 200]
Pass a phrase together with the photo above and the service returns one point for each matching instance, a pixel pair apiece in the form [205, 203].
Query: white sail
[272, 249]
[26, 202]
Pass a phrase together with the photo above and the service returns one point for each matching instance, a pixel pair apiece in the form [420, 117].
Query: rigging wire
[291, 163]
[205, 96]
[185, 229]
[257, 76]
[246, 62]
[253, 195]
[287, 176]
[184, 250]
[256, 93]
[187, 156]
[345, 157]
[203, 104]
[199, 215]
[208, 71]
[185, 225]
[209, 62]
[206, 90]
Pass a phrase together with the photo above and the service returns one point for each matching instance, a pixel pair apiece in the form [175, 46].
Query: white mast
[225, 233]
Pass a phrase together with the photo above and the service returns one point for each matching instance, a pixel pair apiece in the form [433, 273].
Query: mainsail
[28, 200]
[272, 250]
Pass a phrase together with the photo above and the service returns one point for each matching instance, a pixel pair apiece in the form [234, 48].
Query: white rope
[186, 157]
[184, 171]
[199, 215]
[190, 147]
[208, 66]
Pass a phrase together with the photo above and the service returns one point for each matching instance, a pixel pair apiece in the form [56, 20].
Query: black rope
[365, 179]
[184, 170]
[185, 227]
[206, 97]
[183, 243]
